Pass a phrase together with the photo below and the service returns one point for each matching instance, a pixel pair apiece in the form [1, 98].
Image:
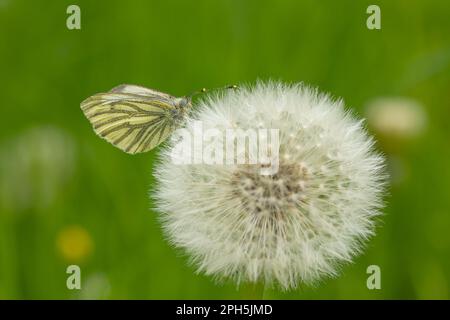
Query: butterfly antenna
[204, 90]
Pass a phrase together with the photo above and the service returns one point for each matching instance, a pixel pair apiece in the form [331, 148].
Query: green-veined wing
[133, 118]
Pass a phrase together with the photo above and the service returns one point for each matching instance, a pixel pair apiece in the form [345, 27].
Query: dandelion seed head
[294, 226]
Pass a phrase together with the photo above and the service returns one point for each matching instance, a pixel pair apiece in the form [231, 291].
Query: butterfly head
[183, 102]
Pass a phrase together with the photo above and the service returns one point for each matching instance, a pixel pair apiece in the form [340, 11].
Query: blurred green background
[68, 197]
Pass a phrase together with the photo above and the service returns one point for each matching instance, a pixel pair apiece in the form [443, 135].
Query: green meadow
[68, 197]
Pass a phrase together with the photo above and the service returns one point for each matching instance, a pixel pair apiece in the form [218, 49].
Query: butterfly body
[135, 119]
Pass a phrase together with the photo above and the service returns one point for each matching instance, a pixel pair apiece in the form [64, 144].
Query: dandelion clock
[291, 225]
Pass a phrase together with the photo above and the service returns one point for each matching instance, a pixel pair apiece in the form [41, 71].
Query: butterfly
[135, 119]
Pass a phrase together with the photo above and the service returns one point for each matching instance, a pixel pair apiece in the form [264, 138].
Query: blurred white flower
[398, 118]
[290, 227]
[96, 287]
[34, 166]
[4, 4]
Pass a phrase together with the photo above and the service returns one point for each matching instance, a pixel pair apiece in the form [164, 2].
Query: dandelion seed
[294, 226]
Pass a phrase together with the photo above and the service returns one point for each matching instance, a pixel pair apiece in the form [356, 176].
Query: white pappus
[294, 226]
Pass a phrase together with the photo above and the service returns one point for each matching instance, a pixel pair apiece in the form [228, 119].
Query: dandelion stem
[255, 291]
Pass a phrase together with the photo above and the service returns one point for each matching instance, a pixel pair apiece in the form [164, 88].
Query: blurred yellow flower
[74, 244]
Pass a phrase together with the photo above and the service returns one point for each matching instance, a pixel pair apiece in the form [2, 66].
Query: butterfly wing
[132, 118]
[141, 91]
